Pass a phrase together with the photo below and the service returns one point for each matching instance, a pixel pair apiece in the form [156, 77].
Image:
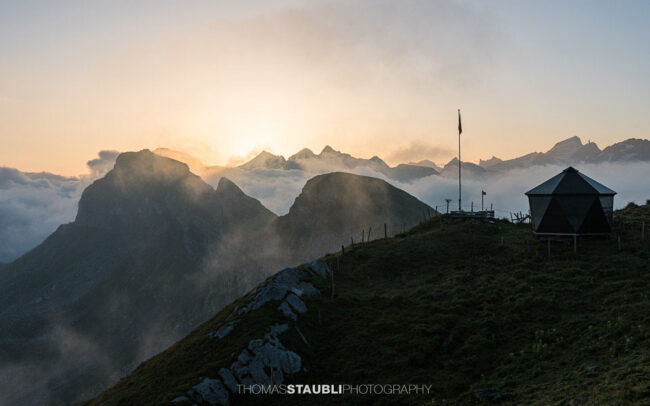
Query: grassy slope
[447, 305]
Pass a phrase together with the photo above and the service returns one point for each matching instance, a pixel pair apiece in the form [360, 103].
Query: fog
[277, 189]
[33, 205]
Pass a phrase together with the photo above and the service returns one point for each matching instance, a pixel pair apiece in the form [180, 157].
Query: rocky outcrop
[263, 360]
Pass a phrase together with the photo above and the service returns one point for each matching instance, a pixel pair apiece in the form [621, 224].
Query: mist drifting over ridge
[153, 252]
[32, 205]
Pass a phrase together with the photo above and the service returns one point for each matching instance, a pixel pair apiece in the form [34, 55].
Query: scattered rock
[286, 310]
[320, 268]
[240, 371]
[256, 369]
[296, 303]
[224, 330]
[244, 357]
[592, 368]
[491, 395]
[275, 330]
[212, 392]
[284, 282]
[228, 379]
[261, 354]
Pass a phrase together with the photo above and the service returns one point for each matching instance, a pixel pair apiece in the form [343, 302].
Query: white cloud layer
[277, 189]
[33, 205]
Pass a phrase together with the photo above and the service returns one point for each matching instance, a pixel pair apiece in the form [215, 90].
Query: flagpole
[459, 183]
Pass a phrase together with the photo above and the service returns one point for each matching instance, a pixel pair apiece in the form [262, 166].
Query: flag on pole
[460, 127]
[483, 192]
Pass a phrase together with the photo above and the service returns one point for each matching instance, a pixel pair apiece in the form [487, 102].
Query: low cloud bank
[506, 190]
[33, 205]
[277, 189]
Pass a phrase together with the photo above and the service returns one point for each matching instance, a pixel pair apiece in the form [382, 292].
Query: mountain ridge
[153, 251]
[397, 317]
[569, 151]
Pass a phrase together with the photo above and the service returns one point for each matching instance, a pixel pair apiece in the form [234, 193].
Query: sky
[371, 77]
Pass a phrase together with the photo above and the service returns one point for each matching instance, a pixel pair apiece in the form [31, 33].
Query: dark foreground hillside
[478, 311]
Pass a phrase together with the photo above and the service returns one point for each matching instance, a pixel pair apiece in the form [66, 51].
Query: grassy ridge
[447, 304]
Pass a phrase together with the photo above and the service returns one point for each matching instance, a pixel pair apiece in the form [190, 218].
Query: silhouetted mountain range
[34, 204]
[331, 160]
[572, 151]
[153, 252]
[567, 152]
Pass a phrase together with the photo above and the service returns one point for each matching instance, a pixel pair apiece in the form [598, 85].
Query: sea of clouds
[277, 189]
[33, 205]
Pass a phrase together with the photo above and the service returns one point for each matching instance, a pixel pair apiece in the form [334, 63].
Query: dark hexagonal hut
[571, 203]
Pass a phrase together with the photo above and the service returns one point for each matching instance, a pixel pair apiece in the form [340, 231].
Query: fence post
[363, 235]
[385, 232]
[369, 230]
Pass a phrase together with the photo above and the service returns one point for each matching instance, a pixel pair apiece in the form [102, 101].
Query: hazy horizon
[222, 79]
[95, 167]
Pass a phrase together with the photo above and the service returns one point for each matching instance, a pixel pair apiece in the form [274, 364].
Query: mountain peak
[142, 186]
[304, 153]
[225, 185]
[489, 162]
[266, 153]
[265, 160]
[570, 144]
[340, 197]
[238, 208]
[328, 150]
[145, 163]
[195, 165]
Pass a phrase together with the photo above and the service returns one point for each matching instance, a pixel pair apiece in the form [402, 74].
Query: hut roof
[570, 182]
